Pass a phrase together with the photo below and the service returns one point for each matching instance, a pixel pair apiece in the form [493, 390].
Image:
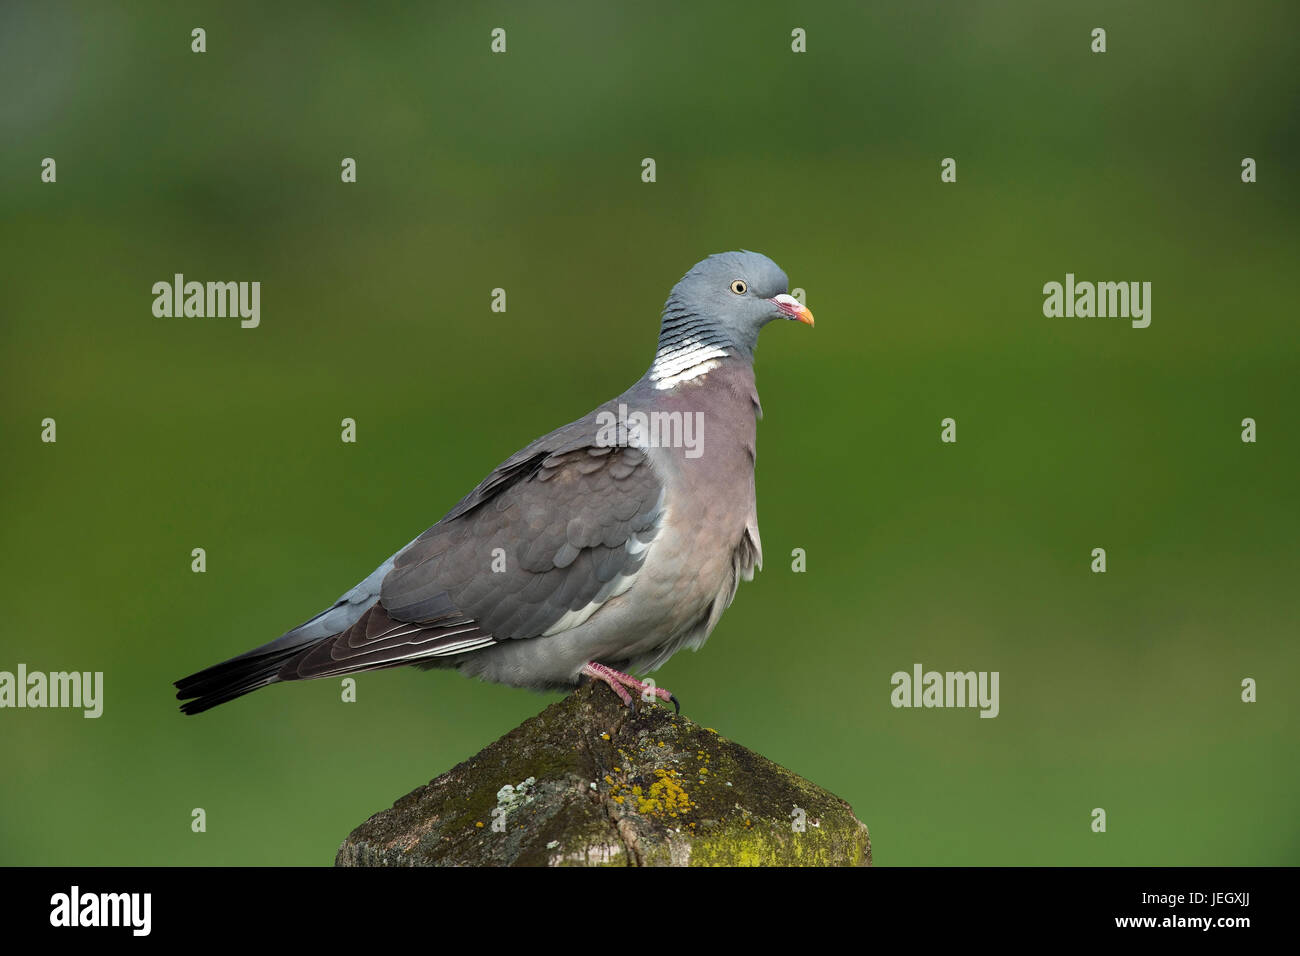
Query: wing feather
[566, 530]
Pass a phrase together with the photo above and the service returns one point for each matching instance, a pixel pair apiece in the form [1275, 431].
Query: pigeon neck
[689, 347]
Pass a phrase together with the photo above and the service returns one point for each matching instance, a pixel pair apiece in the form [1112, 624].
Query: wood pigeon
[601, 548]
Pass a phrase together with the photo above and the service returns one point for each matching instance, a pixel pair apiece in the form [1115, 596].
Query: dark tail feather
[368, 639]
[233, 678]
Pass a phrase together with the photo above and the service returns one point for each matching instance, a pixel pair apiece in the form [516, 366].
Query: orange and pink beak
[792, 308]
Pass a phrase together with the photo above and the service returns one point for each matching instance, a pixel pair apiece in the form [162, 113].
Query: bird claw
[619, 682]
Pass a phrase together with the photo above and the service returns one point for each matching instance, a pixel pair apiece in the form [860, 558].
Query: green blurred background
[522, 171]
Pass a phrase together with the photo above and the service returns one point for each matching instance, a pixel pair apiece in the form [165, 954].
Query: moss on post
[588, 783]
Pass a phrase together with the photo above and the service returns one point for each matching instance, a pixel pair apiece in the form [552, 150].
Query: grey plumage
[574, 549]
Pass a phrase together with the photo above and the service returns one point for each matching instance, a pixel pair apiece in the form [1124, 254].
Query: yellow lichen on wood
[666, 796]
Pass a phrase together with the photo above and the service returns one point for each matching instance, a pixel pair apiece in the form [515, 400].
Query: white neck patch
[681, 363]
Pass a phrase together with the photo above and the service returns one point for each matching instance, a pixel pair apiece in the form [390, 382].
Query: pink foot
[617, 681]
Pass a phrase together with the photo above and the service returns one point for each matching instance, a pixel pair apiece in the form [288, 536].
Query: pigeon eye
[739, 287]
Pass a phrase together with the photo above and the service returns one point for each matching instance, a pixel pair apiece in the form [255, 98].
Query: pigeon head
[718, 309]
